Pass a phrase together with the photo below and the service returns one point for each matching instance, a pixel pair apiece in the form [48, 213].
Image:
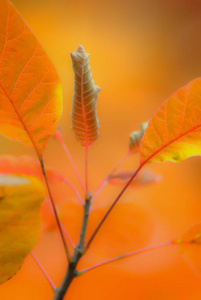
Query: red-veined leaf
[84, 118]
[20, 200]
[145, 177]
[174, 132]
[30, 90]
[26, 165]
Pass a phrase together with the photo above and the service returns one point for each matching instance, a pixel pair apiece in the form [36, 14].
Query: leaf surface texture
[30, 90]
[174, 132]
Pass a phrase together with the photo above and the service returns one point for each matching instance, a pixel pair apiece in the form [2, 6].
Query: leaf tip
[80, 48]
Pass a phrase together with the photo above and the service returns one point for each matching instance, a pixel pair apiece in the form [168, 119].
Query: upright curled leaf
[136, 136]
[84, 118]
[30, 90]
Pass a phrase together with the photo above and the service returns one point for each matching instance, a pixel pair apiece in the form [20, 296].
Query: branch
[61, 141]
[79, 273]
[43, 271]
[55, 211]
[71, 270]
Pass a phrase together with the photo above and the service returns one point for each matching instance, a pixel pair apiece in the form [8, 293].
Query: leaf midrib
[170, 142]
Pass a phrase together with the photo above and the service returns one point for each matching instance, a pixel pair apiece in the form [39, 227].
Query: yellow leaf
[174, 132]
[30, 90]
[20, 199]
[190, 246]
[84, 118]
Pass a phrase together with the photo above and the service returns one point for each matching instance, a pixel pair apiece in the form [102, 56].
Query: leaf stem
[68, 236]
[61, 140]
[71, 272]
[55, 211]
[86, 171]
[123, 256]
[74, 189]
[113, 204]
[43, 270]
[105, 179]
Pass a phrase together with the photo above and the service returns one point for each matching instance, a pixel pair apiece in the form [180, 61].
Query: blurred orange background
[141, 52]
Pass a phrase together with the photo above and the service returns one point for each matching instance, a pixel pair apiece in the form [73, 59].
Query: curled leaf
[145, 177]
[174, 132]
[136, 136]
[30, 90]
[84, 117]
[20, 200]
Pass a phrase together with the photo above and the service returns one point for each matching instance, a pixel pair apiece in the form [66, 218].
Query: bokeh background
[141, 52]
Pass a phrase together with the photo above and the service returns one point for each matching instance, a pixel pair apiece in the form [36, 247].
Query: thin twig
[68, 236]
[61, 140]
[79, 273]
[74, 189]
[43, 270]
[55, 211]
[86, 171]
[105, 179]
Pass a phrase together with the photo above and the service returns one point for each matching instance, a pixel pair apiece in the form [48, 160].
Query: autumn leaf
[26, 165]
[145, 177]
[190, 246]
[20, 199]
[84, 118]
[30, 90]
[174, 132]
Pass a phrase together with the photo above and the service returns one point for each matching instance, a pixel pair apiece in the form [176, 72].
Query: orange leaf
[30, 90]
[26, 165]
[174, 132]
[84, 118]
[145, 177]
